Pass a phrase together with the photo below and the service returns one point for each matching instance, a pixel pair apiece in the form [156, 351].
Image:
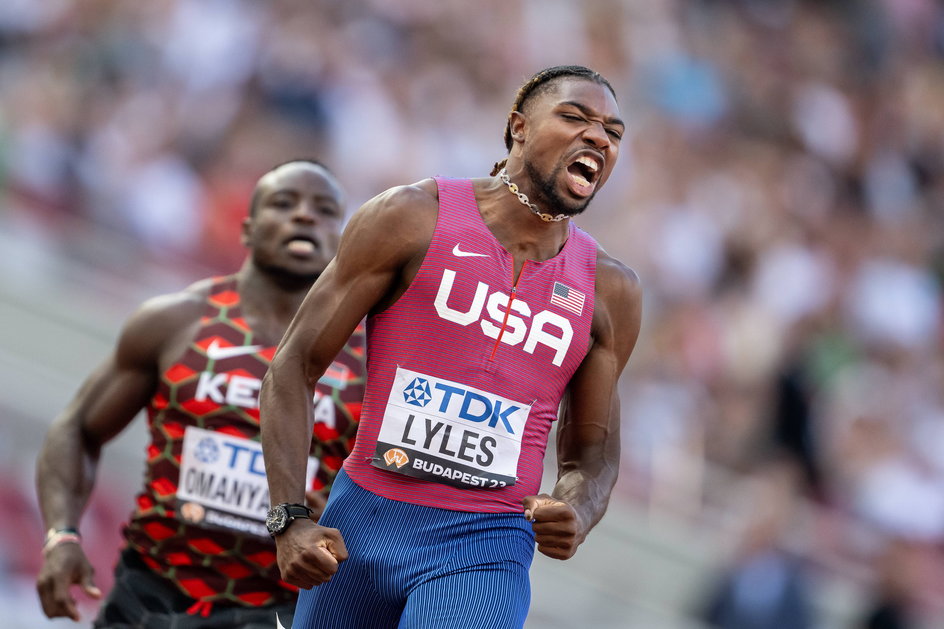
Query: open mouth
[301, 246]
[583, 174]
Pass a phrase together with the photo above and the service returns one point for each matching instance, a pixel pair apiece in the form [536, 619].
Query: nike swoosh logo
[215, 352]
[466, 254]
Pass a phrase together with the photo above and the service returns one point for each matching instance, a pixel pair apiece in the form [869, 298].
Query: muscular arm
[379, 252]
[105, 404]
[588, 442]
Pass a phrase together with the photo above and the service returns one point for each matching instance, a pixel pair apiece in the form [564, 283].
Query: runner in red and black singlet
[490, 317]
[198, 552]
[200, 520]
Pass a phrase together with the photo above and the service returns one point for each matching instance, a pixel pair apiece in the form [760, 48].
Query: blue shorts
[413, 567]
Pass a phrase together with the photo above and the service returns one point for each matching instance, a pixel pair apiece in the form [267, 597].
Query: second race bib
[223, 483]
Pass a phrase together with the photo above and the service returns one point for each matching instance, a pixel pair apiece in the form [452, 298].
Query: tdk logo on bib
[448, 432]
[462, 403]
[207, 451]
[417, 393]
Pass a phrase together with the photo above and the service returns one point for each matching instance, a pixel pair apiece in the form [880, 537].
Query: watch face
[276, 519]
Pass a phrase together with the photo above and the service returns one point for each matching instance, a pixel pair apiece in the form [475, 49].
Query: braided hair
[541, 83]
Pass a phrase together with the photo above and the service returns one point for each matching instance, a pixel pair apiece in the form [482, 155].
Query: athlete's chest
[543, 309]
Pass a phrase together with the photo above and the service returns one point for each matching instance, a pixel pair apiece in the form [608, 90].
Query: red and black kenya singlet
[199, 518]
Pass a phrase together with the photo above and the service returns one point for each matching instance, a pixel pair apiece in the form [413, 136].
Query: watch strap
[292, 511]
[296, 510]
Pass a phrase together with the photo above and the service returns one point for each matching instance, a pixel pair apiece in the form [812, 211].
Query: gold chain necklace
[547, 218]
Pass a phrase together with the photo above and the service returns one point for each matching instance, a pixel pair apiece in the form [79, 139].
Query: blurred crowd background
[779, 193]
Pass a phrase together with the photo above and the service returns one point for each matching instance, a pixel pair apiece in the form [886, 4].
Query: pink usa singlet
[467, 369]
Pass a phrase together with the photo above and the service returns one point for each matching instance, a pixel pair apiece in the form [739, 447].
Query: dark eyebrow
[590, 113]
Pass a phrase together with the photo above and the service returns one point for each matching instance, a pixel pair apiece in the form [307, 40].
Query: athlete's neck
[269, 297]
[521, 233]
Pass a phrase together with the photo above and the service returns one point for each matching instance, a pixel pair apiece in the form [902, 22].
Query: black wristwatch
[281, 516]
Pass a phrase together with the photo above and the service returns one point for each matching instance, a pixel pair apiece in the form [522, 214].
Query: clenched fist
[558, 530]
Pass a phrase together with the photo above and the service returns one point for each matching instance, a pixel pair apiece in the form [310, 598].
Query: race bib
[223, 484]
[446, 432]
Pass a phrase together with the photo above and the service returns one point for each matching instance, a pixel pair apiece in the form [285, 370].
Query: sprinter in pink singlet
[490, 317]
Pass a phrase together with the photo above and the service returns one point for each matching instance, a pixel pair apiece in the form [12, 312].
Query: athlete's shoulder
[402, 219]
[169, 312]
[409, 200]
[616, 280]
[158, 321]
[188, 302]
[617, 313]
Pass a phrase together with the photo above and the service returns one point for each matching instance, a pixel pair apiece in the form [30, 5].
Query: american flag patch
[567, 298]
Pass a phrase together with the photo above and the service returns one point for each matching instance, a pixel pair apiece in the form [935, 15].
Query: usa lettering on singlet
[468, 367]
